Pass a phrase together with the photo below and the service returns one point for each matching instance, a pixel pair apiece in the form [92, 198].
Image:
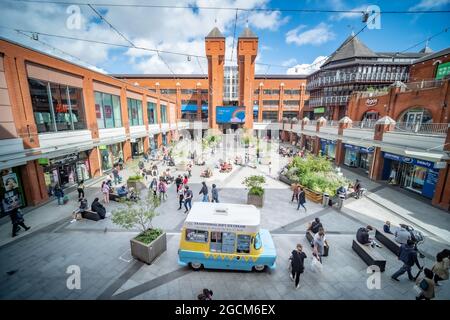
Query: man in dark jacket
[297, 264]
[204, 191]
[362, 236]
[96, 206]
[408, 255]
[178, 182]
[315, 225]
[17, 221]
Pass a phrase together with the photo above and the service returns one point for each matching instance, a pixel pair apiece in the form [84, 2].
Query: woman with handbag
[17, 221]
[297, 265]
[425, 285]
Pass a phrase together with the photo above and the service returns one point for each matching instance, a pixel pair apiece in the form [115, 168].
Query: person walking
[154, 186]
[204, 191]
[301, 199]
[214, 194]
[187, 199]
[116, 176]
[440, 268]
[295, 192]
[105, 190]
[358, 188]
[17, 221]
[162, 188]
[270, 168]
[185, 180]
[59, 193]
[408, 255]
[426, 285]
[297, 264]
[319, 243]
[178, 182]
[189, 169]
[180, 197]
[80, 189]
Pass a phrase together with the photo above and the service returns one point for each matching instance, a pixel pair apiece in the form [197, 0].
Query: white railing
[425, 84]
[366, 124]
[332, 123]
[422, 128]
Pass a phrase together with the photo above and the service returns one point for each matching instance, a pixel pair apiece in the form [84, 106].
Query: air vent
[223, 211]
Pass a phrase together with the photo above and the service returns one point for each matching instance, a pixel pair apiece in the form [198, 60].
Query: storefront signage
[417, 162]
[370, 102]
[327, 141]
[65, 159]
[43, 161]
[102, 147]
[319, 110]
[359, 149]
[440, 165]
[443, 70]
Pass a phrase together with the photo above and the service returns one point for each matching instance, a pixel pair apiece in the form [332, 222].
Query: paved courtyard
[33, 265]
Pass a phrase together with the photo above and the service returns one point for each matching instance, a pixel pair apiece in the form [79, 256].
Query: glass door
[414, 119]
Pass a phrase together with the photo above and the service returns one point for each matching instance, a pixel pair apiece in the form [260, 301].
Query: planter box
[137, 185]
[148, 252]
[257, 201]
[314, 196]
[284, 179]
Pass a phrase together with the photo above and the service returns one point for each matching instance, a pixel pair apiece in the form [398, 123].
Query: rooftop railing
[422, 128]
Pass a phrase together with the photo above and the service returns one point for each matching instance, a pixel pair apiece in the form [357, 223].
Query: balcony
[356, 77]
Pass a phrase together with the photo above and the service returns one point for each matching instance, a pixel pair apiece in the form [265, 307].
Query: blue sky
[285, 38]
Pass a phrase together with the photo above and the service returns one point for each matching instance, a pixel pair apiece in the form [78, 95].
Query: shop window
[56, 107]
[163, 114]
[196, 235]
[270, 115]
[135, 112]
[107, 110]
[151, 112]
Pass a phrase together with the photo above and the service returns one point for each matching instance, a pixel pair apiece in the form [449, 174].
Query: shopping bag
[316, 265]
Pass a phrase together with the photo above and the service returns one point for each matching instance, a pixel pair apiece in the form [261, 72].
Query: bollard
[340, 202]
[325, 199]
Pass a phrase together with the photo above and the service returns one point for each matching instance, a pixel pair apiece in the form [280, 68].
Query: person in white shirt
[402, 235]
[320, 241]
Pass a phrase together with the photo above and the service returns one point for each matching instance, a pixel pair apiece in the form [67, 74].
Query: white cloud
[289, 62]
[350, 15]
[180, 30]
[315, 36]
[307, 68]
[430, 4]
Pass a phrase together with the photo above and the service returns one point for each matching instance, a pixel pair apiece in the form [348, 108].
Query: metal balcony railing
[422, 128]
[366, 124]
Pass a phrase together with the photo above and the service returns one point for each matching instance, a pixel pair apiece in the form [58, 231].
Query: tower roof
[426, 49]
[352, 47]
[247, 33]
[215, 33]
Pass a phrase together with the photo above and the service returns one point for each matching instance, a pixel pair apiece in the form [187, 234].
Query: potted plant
[135, 182]
[255, 194]
[150, 242]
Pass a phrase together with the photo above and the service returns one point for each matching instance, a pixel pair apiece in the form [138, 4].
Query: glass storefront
[66, 170]
[107, 110]
[111, 155]
[137, 147]
[328, 148]
[413, 174]
[358, 157]
[11, 191]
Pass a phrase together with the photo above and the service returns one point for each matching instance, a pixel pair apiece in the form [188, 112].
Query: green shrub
[149, 235]
[135, 178]
[254, 184]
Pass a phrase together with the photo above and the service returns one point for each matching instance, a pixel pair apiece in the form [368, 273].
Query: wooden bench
[90, 215]
[310, 237]
[369, 255]
[389, 241]
[114, 196]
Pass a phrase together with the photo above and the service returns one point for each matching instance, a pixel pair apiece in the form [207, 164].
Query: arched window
[416, 115]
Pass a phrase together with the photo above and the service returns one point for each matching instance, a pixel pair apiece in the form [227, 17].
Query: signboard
[319, 110]
[370, 102]
[359, 149]
[417, 162]
[430, 183]
[102, 147]
[221, 227]
[440, 165]
[326, 141]
[43, 161]
[443, 70]
[230, 114]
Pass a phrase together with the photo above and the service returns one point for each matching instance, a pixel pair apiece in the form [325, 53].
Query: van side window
[228, 242]
[216, 242]
[243, 243]
[196, 235]
[258, 242]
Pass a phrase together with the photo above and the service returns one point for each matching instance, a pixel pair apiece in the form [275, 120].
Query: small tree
[254, 184]
[139, 214]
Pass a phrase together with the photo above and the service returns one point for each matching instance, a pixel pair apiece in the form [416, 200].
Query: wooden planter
[148, 252]
[255, 200]
[310, 194]
[137, 185]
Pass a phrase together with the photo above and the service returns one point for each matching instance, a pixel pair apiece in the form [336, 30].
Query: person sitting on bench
[402, 235]
[315, 226]
[122, 191]
[341, 191]
[387, 227]
[97, 207]
[362, 236]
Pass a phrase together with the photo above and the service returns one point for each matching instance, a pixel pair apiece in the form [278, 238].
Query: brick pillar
[383, 125]
[95, 168]
[146, 144]
[441, 196]
[33, 183]
[199, 103]
[159, 140]
[344, 123]
[127, 150]
[260, 102]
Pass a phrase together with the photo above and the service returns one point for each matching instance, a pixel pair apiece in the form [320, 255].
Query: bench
[389, 241]
[90, 215]
[369, 255]
[310, 237]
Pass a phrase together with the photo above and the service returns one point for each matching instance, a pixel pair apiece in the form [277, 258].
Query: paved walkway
[34, 265]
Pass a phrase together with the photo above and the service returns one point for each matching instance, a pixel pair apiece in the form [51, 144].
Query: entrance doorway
[412, 177]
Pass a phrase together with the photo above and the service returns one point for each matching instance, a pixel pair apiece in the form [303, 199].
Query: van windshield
[258, 242]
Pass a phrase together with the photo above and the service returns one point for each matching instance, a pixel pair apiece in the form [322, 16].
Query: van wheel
[196, 266]
[259, 267]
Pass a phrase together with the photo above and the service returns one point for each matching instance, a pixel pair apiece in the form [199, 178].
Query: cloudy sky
[289, 41]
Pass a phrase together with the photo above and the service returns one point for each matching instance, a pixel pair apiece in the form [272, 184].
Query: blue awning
[188, 108]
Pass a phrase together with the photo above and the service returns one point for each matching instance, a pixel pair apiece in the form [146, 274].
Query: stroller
[416, 236]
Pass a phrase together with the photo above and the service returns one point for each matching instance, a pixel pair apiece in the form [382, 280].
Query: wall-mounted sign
[443, 70]
[417, 162]
[230, 114]
[43, 161]
[319, 110]
[370, 102]
[440, 165]
[358, 148]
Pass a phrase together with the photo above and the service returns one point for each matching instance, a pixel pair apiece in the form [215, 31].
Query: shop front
[419, 176]
[65, 171]
[11, 192]
[309, 143]
[358, 157]
[137, 147]
[164, 139]
[328, 148]
[111, 155]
